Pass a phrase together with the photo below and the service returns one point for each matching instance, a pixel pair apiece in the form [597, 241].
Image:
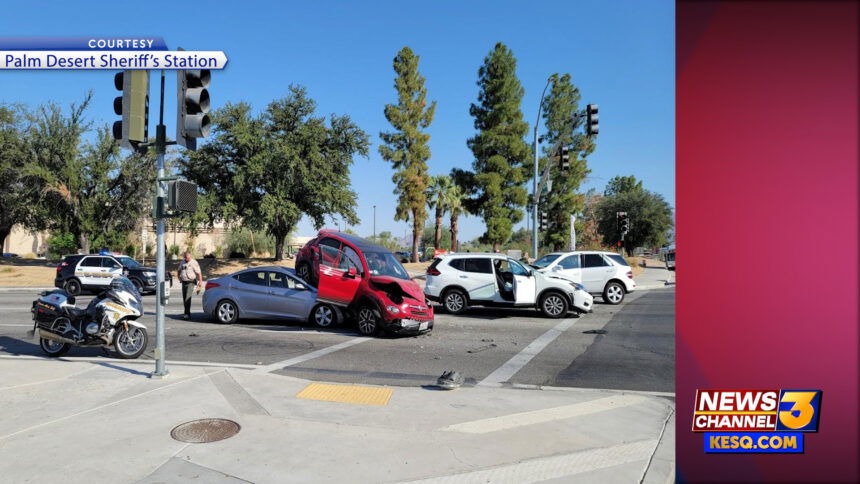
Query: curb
[654, 286]
[26, 289]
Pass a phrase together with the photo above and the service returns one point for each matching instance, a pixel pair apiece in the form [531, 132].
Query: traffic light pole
[161, 296]
[535, 193]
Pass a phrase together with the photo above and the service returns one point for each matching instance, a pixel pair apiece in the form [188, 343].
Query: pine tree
[564, 127]
[496, 185]
[406, 147]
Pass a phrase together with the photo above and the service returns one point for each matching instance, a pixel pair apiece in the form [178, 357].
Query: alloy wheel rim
[323, 316]
[553, 305]
[614, 293]
[130, 341]
[366, 321]
[51, 345]
[454, 302]
[226, 312]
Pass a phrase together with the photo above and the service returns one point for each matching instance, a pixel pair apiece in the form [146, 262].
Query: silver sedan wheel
[226, 312]
[614, 293]
[323, 316]
[454, 302]
[553, 305]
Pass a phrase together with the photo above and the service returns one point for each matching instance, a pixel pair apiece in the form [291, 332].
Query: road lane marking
[555, 467]
[17, 325]
[521, 359]
[357, 394]
[309, 356]
[16, 309]
[522, 419]
[528, 386]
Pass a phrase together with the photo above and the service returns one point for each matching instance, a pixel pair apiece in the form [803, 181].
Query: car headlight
[578, 286]
[392, 309]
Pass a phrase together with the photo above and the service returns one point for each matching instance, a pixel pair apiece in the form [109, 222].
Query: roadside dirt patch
[29, 275]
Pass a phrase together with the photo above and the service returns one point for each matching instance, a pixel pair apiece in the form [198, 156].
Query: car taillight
[432, 271]
[210, 285]
[62, 264]
[630, 274]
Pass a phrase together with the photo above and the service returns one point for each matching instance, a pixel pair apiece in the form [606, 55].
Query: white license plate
[423, 326]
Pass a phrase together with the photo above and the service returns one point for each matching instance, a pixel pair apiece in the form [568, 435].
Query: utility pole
[535, 193]
[374, 222]
[162, 291]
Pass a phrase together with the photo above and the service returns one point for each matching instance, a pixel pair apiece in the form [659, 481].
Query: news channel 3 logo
[756, 421]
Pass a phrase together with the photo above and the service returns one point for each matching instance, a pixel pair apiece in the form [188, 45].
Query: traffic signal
[591, 127]
[544, 221]
[133, 107]
[192, 106]
[623, 223]
[182, 196]
[564, 158]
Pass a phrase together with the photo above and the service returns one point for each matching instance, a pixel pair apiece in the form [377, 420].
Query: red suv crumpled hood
[409, 287]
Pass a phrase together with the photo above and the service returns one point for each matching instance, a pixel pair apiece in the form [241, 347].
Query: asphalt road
[488, 346]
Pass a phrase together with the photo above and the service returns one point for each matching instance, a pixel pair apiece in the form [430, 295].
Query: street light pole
[374, 221]
[536, 181]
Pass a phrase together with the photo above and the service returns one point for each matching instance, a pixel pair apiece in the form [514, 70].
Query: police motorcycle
[108, 320]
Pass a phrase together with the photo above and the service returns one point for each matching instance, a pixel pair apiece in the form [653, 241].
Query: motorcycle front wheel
[131, 343]
[53, 348]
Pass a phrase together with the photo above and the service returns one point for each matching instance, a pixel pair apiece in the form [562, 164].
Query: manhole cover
[595, 331]
[205, 430]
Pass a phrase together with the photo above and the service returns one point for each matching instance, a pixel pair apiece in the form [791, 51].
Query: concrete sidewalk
[105, 421]
[655, 278]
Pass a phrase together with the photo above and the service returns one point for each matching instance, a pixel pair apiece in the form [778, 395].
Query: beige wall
[22, 242]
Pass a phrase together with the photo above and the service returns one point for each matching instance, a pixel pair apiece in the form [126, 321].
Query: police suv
[94, 272]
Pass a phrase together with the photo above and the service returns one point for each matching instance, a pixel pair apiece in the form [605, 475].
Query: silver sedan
[265, 293]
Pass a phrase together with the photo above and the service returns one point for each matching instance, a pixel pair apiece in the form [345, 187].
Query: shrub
[60, 244]
[29, 255]
[245, 241]
[174, 250]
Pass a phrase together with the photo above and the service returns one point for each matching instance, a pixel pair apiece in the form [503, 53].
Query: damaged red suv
[367, 280]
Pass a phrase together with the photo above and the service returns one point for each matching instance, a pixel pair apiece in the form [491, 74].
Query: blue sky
[619, 53]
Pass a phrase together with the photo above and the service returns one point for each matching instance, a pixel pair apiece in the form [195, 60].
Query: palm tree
[454, 204]
[439, 186]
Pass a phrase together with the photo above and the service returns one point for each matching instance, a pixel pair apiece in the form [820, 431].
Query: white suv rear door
[595, 272]
[476, 277]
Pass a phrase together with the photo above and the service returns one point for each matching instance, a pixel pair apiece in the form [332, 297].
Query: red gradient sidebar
[767, 214]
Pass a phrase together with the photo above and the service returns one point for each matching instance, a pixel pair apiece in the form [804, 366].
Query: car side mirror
[351, 272]
[301, 287]
[556, 269]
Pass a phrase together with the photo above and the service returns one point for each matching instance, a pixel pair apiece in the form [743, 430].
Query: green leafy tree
[649, 214]
[406, 147]
[265, 172]
[621, 184]
[495, 186]
[18, 192]
[89, 189]
[437, 199]
[429, 234]
[564, 127]
[387, 240]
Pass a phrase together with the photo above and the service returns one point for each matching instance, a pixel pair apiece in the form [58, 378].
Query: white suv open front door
[524, 283]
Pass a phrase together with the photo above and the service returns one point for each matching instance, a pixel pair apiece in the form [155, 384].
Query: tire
[554, 305]
[130, 344]
[72, 287]
[303, 270]
[52, 348]
[226, 312]
[368, 320]
[455, 301]
[613, 293]
[138, 285]
[323, 315]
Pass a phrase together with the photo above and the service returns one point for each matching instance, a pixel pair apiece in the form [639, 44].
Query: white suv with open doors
[461, 280]
[606, 274]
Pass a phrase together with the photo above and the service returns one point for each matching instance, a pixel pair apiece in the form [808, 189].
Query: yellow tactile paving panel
[346, 394]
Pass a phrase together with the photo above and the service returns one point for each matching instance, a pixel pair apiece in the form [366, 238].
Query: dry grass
[27, 275]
